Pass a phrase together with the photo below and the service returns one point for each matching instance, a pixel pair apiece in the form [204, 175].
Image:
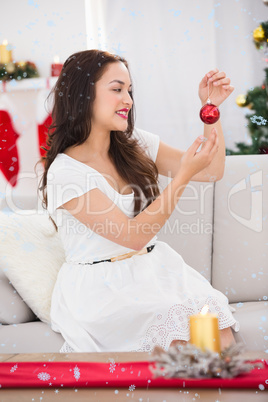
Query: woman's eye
[120, 90]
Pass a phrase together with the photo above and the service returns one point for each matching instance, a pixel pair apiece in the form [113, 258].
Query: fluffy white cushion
[31, 254]
[13, 310]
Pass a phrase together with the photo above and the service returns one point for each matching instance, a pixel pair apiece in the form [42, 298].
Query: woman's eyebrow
[119, 82]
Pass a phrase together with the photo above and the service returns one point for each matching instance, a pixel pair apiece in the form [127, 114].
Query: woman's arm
[100, 214]
[215, 170]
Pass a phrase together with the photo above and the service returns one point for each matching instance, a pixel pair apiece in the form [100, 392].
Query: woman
[120, 289]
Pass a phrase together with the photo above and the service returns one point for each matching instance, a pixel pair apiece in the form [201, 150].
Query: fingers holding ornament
[215, 78]
[222, 81]
[225, 84]
[212, 72]
[220, 87]
[219, 79]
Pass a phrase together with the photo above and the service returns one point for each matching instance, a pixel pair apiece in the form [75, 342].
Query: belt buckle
[128, 255]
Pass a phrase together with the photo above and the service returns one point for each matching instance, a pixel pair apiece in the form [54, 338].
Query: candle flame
[204, 309]
[5, 42]
[56, 59]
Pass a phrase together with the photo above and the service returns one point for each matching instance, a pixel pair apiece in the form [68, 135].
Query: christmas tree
[256, 100]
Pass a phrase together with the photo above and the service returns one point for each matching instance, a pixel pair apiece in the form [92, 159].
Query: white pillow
[31, 254]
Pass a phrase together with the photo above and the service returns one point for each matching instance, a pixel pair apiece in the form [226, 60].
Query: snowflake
[43, 376]
[132, 387]
[259, 120]
[14, 368]
[112, 367]
[118, 50]
[76, 373]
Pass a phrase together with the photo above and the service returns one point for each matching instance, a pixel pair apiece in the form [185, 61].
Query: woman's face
[113, 100]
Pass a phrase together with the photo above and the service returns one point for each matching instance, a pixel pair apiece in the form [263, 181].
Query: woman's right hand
[192, 161]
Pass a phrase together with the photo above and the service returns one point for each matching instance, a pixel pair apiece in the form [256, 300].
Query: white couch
[220, 229]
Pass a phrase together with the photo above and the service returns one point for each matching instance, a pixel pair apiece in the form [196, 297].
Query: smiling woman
[119, 289]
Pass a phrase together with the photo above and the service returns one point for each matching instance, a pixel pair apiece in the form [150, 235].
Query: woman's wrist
[182, 177]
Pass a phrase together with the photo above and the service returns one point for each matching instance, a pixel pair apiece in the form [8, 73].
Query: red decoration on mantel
[9, 159]
[133, 375]
[42, 134]
[209, 114]
[56, 69]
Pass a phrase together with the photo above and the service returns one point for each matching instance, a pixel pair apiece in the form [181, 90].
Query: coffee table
[122, 394]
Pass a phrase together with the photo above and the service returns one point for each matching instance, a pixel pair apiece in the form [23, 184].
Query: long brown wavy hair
[73, 97]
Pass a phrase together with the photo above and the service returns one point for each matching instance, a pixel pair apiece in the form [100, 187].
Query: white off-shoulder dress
[128, 305]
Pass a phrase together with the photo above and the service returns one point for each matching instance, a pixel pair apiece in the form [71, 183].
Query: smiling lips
[123, 113]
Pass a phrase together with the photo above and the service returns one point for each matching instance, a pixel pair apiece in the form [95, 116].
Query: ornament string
[208, 101]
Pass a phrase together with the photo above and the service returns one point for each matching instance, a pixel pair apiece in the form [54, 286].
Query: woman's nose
[128, 100]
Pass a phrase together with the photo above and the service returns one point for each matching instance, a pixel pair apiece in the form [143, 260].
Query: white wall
[41, 29]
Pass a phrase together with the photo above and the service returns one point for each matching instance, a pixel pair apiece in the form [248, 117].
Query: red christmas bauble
[209, 114]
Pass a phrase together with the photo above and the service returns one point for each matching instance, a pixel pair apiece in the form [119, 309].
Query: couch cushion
[31, 254]
[31, 337]
[189, 229]
[240, 241]
[253, 320]
[13, 309]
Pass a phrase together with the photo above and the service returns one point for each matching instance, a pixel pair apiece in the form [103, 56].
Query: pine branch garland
[191, 362]
[18, 71]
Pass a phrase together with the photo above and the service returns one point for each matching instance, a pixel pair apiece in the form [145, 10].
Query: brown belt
[144, 250]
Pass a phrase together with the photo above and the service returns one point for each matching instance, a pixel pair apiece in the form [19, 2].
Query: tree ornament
[209, 113]
[265, 2]
[259, 34]
[22, 64]
[241, 100]
[10, 67]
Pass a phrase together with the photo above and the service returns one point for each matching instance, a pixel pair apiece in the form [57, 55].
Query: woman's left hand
[219, 87]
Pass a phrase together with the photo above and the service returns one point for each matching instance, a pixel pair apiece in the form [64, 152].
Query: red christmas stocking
[9, 159]
[42, 134]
